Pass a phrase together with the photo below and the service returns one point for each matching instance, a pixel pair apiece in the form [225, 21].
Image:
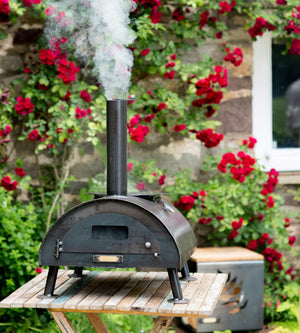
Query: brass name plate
[112, 258]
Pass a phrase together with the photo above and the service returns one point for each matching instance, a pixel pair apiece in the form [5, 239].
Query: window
[276, 105]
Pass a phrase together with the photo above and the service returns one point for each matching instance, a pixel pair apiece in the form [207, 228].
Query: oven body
[119, 232]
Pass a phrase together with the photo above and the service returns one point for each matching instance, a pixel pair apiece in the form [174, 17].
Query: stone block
[173, 156]
[236, 83]
[11, 63]
[235, 115]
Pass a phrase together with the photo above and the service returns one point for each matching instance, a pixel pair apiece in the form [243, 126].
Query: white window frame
[281, 159]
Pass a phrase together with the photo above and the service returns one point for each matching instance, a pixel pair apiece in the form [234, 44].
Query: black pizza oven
[117, 230]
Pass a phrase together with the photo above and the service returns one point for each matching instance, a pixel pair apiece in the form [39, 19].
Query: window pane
[286, 98]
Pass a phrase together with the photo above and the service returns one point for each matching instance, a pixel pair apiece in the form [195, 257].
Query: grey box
[240, 306]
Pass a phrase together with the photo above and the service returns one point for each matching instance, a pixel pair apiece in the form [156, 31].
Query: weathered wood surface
[234, 253]
[161, 324]
[97, 323]
[63, 322]
[125, 292]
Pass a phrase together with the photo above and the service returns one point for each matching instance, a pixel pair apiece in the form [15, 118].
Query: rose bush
[237, 203]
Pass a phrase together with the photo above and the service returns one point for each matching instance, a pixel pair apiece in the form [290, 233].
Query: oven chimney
[116, 124]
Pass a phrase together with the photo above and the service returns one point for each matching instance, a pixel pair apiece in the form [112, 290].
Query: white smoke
[99, 32]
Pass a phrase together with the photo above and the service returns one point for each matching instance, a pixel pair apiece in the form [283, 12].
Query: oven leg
[176, 287]
[50, 283]
[185, 274]
[77, 272]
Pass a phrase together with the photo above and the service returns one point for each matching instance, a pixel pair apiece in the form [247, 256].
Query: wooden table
[123, 292]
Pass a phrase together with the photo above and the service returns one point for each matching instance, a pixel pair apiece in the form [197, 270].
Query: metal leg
[77, 272]
[185, 274]
[176, 287]
[50, 283]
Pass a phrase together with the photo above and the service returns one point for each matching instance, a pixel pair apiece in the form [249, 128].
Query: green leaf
[19, 163]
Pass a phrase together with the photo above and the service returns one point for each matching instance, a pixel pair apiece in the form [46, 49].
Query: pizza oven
[117, 230]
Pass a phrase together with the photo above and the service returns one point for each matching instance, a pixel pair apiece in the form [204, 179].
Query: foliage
[284, 327]
[19, 244]
[291, 304]
[19, 225]
[115, 323]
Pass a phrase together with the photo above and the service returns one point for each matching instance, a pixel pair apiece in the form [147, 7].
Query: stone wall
[172, 152]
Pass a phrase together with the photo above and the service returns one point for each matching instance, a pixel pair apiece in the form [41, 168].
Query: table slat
[202, 290]
[154, 302]
[104, 282]
[112, 303]
[68, 294]
[85, 291]
[113, 287]
[126, 303]
[212, 297]
[188, 293]
[139, 304]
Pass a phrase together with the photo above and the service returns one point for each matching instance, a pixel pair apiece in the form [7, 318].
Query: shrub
[236, 203]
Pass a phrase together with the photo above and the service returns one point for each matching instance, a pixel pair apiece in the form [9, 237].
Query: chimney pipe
[116, 124]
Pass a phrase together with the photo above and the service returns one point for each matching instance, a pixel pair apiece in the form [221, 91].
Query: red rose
[20, 172]
[85, 96]
[292, 240]
[24, 106]
[177, 14]
[8, 184]
[169, 75]
[160, 107]
[67, 71]
[47, 57]
[134, 121]
[161, 180]
[149, 117]
[138, 134]
[80, 113]
[34, 135]
[235, 57]
[179, 128]
[5, 132]
[209, 138]
[270, 202]
[202, 193]
[145, 52]
[219, 34]
[295, 46]
[252, 245]
[155, 16]
[141, 186]
[233, 234]
[170, 64]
